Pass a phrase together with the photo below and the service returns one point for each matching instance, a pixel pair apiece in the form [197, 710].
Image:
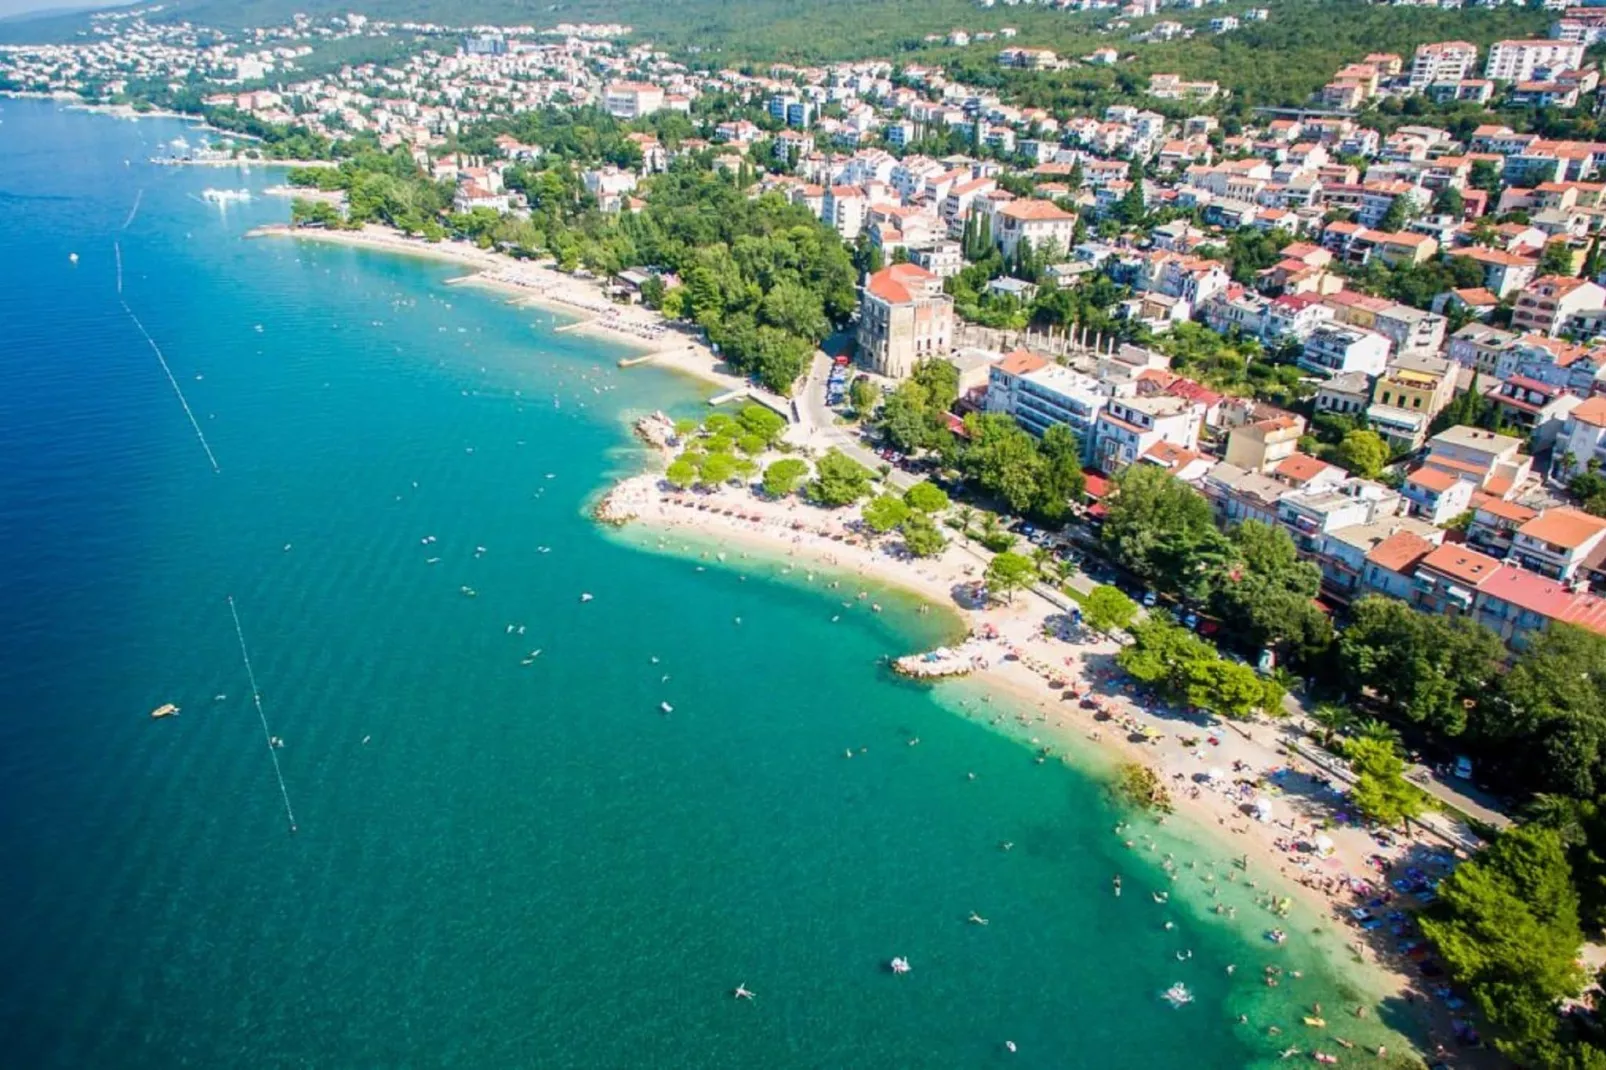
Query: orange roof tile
[1022, 361]
[1434, 479]
[1569, 528]
[1460, 563]
[1592, 412]
[1400, 551]
[1300, 468]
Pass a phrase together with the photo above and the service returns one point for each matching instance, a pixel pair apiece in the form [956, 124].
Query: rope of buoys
[256, 698]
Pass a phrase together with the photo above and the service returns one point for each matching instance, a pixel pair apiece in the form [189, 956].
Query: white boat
[225, 196]
[899, 965]
[1178, 995]
[666, 707]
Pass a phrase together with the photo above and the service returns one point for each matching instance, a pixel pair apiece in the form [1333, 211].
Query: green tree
[1398, 214]
[1062, 481]
[1450, 202]
[782, 477]
[1506, 926]
[1009, 572]
[1230, 689]
[681, 473]
[1107, 610]
[839, 480]
[1361, 453]
[907, 420]
[863, 395]
[921, 537]
[884, 512]
[1556, 259]
[716, 469]
[1003, 459]
[1547, 721]
[1155, 524]
[1426, 668]
[926, 497]
[1381, 792]
[762, 421]
[940, 378]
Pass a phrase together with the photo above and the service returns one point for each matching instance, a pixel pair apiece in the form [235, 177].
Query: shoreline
[1210, 810]
[784, 533]
[525, 282]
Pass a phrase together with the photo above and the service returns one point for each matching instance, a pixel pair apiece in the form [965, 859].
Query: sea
[422, 805]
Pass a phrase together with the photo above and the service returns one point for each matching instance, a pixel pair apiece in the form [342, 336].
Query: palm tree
[1041, 556]
[966, 514]
[1333, 719]
[1381, 731]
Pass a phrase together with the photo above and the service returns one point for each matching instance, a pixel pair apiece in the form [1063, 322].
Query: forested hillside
[1280, 61]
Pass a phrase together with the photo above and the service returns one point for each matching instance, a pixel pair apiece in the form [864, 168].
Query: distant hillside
[1277, 62]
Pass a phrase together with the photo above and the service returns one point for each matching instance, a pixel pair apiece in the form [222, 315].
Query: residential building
[1538, 408]
[1493, 462]
[1418, 384]
[1039, 393]
[1263, 445]
[1494, 524]
[1334, 348]
[1549, 302]
[1437, 496]
[1237, 494]
[1557, 542]
[1039, 222]
[1519, 61]
[1582, 439]
[1442, 61]
[904, 317]
[1391, 562]
[1346, 394]
[1128, 427]
[632, 100]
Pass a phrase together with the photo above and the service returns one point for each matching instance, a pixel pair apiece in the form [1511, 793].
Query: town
[1370, 322]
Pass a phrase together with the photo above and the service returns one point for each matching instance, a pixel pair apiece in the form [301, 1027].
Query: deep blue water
[496, 864]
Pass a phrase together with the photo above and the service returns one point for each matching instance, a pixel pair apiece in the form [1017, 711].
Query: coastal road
[819, 421]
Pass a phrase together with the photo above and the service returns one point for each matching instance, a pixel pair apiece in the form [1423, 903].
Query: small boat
[73, 257]
[166, 709]
[1315, 1023]
[586, 597]
[666, 707]
[1277, 936]
[899, 965]
[1178, 995]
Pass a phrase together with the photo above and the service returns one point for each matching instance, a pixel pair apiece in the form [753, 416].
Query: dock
[942, 662]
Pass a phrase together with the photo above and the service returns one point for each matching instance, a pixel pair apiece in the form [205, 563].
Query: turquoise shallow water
[522, 865]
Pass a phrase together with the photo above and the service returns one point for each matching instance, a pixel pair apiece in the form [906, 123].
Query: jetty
[944, 661]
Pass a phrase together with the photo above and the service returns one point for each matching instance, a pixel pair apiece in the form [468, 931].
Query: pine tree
[1075, 178]
[1593, 262]
[1395, 217]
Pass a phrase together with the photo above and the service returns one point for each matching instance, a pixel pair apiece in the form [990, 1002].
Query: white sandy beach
[666, 345]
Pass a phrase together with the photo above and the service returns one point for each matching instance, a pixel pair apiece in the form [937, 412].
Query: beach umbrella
[1324, 844]
[1263, 811]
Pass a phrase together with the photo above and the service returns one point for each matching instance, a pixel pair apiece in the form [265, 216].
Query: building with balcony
[1128, 427]
[904, 317]
[1333, 349]
[1039, 393]
[1547, 304]
[1557, 542]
